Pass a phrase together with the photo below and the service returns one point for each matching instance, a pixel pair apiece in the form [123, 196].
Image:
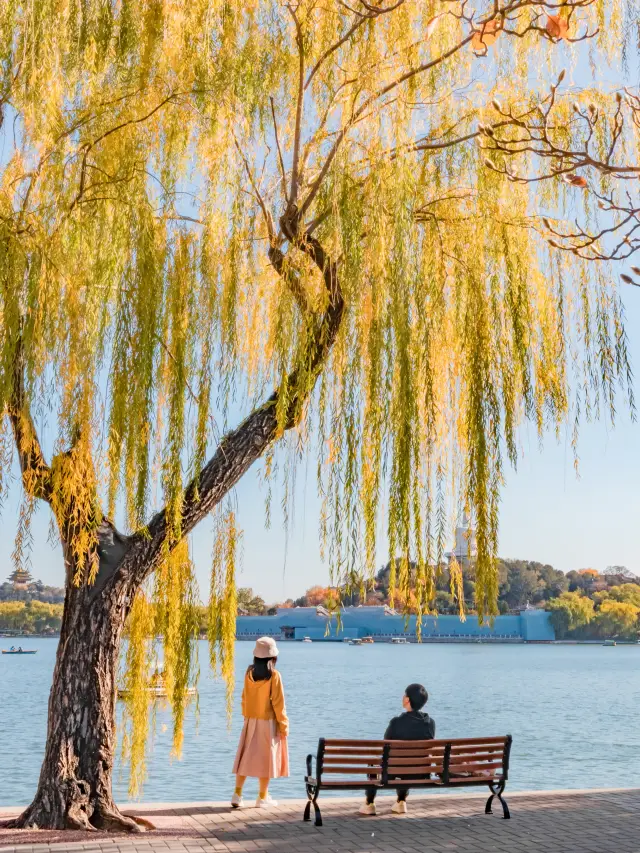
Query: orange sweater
[264, 700]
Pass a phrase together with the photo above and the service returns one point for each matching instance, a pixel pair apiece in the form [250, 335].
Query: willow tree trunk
[74, 789]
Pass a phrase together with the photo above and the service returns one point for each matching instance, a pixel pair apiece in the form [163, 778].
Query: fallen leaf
[557, 27]
[431, 25]
[575, 180]
[486, 36]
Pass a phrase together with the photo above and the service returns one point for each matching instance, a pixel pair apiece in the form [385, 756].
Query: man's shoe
[367, 808]
[400, 807]
[266, 802]
[237, 802]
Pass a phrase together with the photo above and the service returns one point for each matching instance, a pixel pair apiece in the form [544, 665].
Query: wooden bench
[343, 765]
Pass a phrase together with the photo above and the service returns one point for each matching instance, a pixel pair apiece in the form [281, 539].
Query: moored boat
[157, 688]
[399, 641]
[355, 642]
[158, 692]
[307, 640]
[367, 641]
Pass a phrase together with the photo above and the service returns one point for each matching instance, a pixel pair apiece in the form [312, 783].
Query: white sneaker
[399, 807]
[266, 803]
[237, 802]
[367, 808]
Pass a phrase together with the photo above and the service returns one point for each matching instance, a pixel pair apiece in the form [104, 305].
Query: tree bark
[74, 789]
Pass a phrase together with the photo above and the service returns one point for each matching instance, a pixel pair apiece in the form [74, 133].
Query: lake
[572, 711]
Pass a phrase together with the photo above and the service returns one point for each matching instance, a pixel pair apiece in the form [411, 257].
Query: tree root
[74, 808]
[112, 820]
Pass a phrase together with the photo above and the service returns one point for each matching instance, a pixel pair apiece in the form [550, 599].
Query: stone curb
[11, 811]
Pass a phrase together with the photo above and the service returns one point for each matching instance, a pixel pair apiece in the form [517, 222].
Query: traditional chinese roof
[20, 577]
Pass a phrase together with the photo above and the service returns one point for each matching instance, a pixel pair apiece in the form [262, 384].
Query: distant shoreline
[459, 641]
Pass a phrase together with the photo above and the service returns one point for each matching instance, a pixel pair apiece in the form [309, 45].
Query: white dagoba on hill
[465, 547]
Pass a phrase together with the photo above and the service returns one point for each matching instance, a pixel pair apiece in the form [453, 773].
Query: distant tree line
[30, 617]
[608, 613]
[36, 591]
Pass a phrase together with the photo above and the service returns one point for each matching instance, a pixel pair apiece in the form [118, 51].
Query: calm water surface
[572, 711]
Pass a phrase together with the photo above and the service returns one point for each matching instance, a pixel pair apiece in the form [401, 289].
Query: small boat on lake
[307, 640]
[609, 643]
[399, 641]
[156, 692]
[19, 651]
[157, 689]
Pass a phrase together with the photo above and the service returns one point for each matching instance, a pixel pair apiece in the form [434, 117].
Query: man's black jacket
[413, 725]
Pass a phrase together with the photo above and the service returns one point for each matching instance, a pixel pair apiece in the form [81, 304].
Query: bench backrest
[341, 763]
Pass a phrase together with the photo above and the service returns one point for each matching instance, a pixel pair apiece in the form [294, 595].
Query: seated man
[414, 724]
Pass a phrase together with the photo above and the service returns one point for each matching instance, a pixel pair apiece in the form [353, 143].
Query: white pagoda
[465, 548]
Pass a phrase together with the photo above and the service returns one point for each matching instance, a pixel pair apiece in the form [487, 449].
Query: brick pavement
[603, 821]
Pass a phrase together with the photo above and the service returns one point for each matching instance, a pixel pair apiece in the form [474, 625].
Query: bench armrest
[310, 760]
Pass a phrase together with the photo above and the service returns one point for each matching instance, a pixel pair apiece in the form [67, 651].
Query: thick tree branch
[241, 447]
[36, 474]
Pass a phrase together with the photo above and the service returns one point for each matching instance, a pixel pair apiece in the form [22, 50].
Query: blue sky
[547, 513]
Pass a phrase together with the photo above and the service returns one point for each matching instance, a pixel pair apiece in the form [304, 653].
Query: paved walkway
[563, 822]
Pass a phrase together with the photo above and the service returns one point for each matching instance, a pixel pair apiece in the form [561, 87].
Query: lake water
[572, 711]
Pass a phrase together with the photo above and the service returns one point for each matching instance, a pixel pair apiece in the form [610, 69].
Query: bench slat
[414, 759]
[468, 780]
[375, 769]
[354, 750]
[472, 741]
[477, 758]
[414, 770]
[348, 759]
[498, 749]
[474, 768]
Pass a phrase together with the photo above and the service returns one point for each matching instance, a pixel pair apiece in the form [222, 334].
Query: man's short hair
[417, 696]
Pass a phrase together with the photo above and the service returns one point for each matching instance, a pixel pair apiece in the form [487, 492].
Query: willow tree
[207, 202]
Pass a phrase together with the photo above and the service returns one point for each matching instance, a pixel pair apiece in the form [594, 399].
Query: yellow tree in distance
[283, 206]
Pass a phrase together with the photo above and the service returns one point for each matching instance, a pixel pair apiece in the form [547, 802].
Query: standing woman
[263, 751]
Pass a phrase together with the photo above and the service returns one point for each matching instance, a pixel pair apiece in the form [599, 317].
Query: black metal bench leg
[496, 791]
[312, 794]
[505, 808]
[487, 808]
[316, 809]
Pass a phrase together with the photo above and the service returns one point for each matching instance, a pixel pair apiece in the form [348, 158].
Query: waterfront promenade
[592, 821]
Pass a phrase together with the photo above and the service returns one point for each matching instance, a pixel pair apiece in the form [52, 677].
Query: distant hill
[35, 591]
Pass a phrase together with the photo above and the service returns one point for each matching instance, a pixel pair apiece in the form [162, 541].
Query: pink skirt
[262, 752]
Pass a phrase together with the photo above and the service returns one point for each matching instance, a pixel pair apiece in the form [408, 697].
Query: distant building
[465, 548]
[381, 623]
[21, 579]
